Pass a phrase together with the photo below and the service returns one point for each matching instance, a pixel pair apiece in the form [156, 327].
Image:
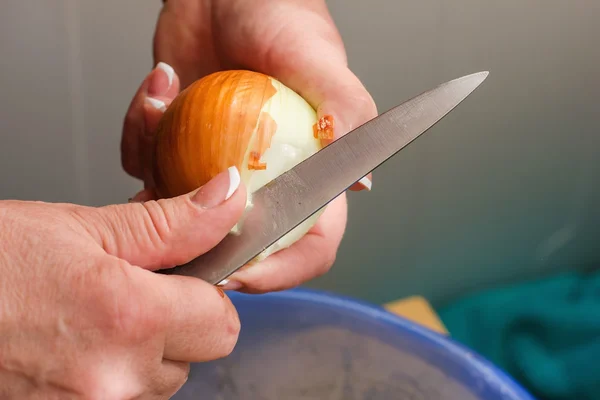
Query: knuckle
[365, 104]
[103, 384]
[229, 343]
[230, 330]
[160, 219]
[234, 325]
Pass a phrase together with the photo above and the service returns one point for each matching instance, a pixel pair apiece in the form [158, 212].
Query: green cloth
[545, 333]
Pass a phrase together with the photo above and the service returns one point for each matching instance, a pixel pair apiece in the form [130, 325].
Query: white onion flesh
[292, 143]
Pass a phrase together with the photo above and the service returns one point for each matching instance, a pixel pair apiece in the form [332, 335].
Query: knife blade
[298, 193]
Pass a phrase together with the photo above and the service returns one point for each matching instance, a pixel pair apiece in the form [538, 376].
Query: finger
[350, 107]
[335, 91]
[310, 257]
[184, 37]
[201, 322]
[161, 81]
[153, 110]
[167, 232]
[170, 377]
[144, 195]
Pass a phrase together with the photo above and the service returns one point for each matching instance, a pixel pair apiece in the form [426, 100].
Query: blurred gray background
[506, 187]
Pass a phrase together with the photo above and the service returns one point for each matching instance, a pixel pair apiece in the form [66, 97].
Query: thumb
[163, 233]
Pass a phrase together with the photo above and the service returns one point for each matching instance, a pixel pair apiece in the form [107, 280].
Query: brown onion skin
[208, 128]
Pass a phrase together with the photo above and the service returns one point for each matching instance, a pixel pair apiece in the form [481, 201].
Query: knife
[295, 195]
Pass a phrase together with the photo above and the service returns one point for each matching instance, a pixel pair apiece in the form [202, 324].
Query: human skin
[82, 315]
[296, 42]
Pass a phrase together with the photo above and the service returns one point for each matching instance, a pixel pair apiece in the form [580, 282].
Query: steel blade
[297, 194]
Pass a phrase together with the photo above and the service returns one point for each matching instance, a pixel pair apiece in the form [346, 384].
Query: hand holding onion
[296, 48]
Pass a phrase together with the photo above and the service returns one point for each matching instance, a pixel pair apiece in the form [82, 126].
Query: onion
[240, 118]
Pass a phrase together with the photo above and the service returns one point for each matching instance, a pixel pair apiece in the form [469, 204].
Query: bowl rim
[472, 360]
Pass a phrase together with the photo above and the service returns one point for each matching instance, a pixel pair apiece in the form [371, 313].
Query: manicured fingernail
[366, 182]
[234, 181]
[168, 70]
[158, 104]
[218, 189]
[227, 284]
[161, 80]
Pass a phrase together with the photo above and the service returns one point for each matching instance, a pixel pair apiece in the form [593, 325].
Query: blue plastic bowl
[306, 344]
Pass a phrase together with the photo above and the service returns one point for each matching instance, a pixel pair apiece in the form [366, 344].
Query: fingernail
[227, 284]
[218, 189]
[168, 70]
[158, 104]
[161, 82]
[366, 182]
[234, 181]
